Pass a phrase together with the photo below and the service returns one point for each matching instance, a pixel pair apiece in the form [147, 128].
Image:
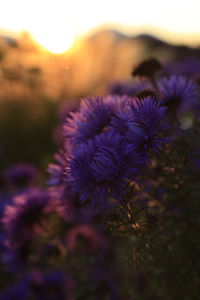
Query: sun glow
[55, 27]
[50, 23]
[57, 43]
[57, 24]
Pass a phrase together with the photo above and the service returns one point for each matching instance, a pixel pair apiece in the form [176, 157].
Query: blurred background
[52, 53]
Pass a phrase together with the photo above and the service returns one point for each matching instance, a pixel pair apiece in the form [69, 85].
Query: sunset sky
[57, 24]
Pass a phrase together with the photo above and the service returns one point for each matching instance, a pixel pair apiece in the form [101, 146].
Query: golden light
[50, 23]
[56, 24]
[57, 43]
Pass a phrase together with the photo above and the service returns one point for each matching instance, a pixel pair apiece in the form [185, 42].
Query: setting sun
[50, 23]
[54, 27]
[55, 43]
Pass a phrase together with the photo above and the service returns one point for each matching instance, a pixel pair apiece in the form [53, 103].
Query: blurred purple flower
[25, 211]
[127, 88]
[188, 67]
[20, 175]
[179, 94]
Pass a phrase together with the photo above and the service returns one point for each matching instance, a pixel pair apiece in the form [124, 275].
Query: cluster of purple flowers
[107, 145]
[119, 156]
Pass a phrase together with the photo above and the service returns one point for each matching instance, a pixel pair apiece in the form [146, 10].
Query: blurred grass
[26, 131]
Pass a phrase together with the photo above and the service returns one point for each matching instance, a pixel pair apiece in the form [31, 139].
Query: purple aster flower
[179, 94]
[147, 126]
[120, 122]
[92, 118]
[118, 103]
[189, 67]
[25, 211]
[20, 175]
[102, 167]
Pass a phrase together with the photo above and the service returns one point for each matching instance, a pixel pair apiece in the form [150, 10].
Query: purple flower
[147, 127]
[102, 168]
[20, 217]
[179, 94]
[189, 67]
[20, 175]
[128, 88]
[92, 118]
[120, 123]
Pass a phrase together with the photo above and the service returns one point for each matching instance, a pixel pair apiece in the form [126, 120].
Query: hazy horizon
[49, 21]
[191, 40]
